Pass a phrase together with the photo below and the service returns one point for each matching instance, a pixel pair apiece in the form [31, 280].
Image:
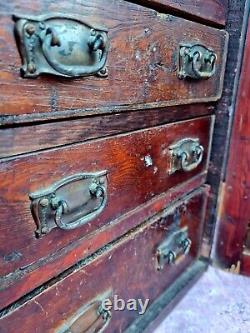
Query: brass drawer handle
[62, 45]
[197, 153]
[70, 203]
[89, 319]
[186, 155]
[176, 246]
[196, 62]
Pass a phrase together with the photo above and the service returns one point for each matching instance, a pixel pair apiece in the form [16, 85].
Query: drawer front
[136, 267]
[144, 60]
[52, 198]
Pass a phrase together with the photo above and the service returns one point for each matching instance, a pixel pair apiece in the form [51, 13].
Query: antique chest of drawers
[107, 116]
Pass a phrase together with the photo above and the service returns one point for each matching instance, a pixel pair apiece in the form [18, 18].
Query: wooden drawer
[24, 139]
[143, 63]
[130, 268]
[136, 167]
[23, 281]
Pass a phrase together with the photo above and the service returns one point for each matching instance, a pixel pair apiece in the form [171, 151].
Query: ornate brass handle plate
[196, 62]
[70, 203]
[91, 318]
[62, 45]
[186, 155]
[175, 247]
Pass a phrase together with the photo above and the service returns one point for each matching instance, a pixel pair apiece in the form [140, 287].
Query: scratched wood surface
[23, 139]
[236, 29]
[131, 182]
[142, 62]
[210, 11]
[128, 269]
[21, 282]
[234, 212]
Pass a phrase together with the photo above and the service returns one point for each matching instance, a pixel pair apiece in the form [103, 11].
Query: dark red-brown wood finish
[129, 268]
[32, 276]
[123, 158]
[142, 62]
[211, 11]
[137, 163]
[23, 139]
[234, 207]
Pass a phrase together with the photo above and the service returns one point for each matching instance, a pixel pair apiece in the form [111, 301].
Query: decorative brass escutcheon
[62, 45]
[70, 203]
[176, 245]
[186, 155]
[196, 62]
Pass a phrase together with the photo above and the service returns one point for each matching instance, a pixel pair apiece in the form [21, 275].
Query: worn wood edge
[11, 119]
[6, 120]
[236, 86]
[224, 113]
[102, 251]
[107, 112]
[117, 136]
[206, 247]
[182, 13]
[45, 128]
[165, 303]
[224, 63]
[216, 259]
[16, 283]
[219, 214]
[210, 140]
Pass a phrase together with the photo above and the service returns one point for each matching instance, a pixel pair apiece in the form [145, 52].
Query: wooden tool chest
[107, 117]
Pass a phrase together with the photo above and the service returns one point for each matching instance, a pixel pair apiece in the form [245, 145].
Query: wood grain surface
[236, 27]
[131, 182]
[210, 11]
[124, 159]
[128, 269]
[142, 63]
[21, 282]
[234, 200]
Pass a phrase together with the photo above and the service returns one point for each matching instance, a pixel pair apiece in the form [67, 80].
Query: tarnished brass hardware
[70, 203]
[186, 155]
[176, 245]
[196, 62]
[91, 318]
[62, 45]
